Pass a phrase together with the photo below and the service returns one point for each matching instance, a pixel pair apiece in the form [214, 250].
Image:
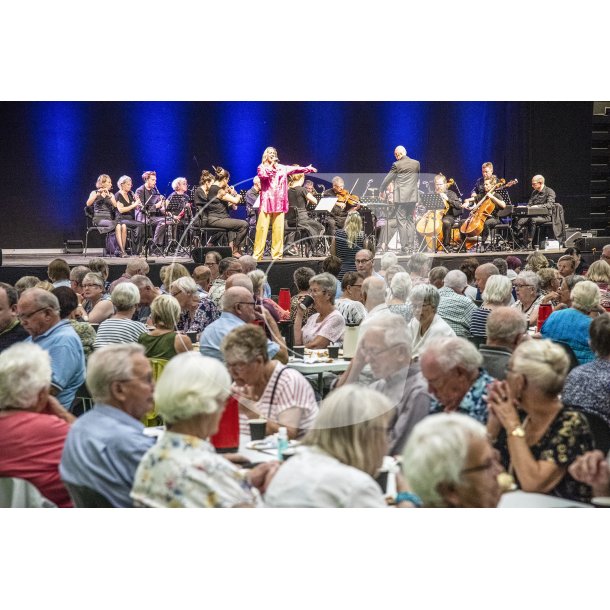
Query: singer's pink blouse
[274, 186]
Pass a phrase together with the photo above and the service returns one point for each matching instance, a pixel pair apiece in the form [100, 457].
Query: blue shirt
[103, 450]
[212, 336]
[67, 360]
[572, 327]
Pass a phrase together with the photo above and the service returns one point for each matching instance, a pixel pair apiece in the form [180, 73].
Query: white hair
[450, 352]
[498, 290]
[122, 180]
[109, 364]
[25, 370]
[543, 363]
[177, 181]
[401, 150]
[530, 278]
[387, 260]
[400, 286]
[426, 294]
[186, 285]
[125, 296]
[394, 328]
[258, 279]
[585, 296]
[436, 452]
[190, 385]
[456, 280]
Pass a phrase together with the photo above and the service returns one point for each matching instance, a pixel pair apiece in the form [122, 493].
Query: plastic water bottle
[282, 442]
[546, 244]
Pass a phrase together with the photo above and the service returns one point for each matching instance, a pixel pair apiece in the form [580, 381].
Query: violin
[345, 198]
[475, 223]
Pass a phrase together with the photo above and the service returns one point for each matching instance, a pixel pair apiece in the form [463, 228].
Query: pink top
[274, 186]
[331, 328]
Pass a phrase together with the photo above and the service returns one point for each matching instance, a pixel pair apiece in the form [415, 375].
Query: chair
[570, 352]
[292, 230]
[152, 418]
[600, 431]
[82, 401]
[476, 340]
[19, 493]
[85, 497]
[91, 228]
[505, 228]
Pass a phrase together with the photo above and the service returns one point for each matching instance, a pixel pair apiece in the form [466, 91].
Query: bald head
[400, 152]
[505, 327]
[240, 302]
[483, 272]
[248, 263]
[373, 292]
[241, 280]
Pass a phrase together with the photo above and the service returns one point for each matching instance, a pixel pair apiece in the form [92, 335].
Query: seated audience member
[212, 261]
[592, 469]
[332, 264]
[565, 290]
[452, 368]
[566, 265]
[135, 266]
[183, 469]
[497, 293]
[426, 326]
[238, 308]
[120, 328]
[528, 296]
[575, 253]
[100, 266]
[70, 310]
[514, 264]
[25, 282]
[33, 425]
[418, 267]
[249, 263]
[148, 293]
[38, 311]
[391, 272]
[77, 275]
[387, 260]
[202, 276]
[550, 282]
[259, 279]
[501, 265]
[541, 447]
[536, 261]
[397, 295]
[455, 308]
[197, 310]
[468, 267]
[58, 272]
[11, 330]
[227, 267]
[326, 326]
[449, 463]
[170, 273]
[96, 303]
[301, 279]
[374, 296]
[506, 328]
[335, 464]
[599, 272]
[349, 304]
[105, 445]
[481, 276]
[571, 325]
[436, 276]
[44, 285]
[266, 388]
[163, 342]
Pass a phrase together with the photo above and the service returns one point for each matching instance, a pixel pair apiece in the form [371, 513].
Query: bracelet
[407, 496]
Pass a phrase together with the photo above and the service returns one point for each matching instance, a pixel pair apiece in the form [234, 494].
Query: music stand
[432, 202]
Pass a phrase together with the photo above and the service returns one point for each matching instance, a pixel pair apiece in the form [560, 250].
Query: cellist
[453, 204]
[472, 202]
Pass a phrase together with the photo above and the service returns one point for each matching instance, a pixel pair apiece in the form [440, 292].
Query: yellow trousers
[277, 235]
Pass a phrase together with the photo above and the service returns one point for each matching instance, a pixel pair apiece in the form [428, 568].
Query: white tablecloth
[523, 499]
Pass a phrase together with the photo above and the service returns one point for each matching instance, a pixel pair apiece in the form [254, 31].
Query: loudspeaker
[572, 239]
[73, 246]
[198, 254]
[586, 244]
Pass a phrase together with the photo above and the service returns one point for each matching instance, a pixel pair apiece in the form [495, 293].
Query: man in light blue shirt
[38, 311]
[238, 309]
[105, 445]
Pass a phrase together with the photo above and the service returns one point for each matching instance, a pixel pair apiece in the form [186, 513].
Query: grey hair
[436, 452]
[109, 364]
[176, 181]
[538, 178]
[400, 286]
[437, 274]
[122, 180]
[585, 296]
[426, 294]
[125, 296]
[25, 370]
[42, 298]
[498, 290]
[93, 277]
[543, 363]
[418, 262]
[400, 150]
[25, 282]
[450, 352]
[392, 271]
[530, 277]
[505, 324]
[258, 278]
[190, 385]
[248, 263]
[572, 280]
[387, 260]
[186, 285]
[456, 280]
[141, 281]
[394, 327]
[327, 282]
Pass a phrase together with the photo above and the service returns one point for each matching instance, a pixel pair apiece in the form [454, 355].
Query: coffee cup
[257, 429]
[382, 480]
[333, 351]
[299, 351]
[601, 501]
[306, 302]
[192, 337]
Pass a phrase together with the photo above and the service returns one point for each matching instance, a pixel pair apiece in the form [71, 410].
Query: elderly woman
[120, 328]
[497, 293]
[183, 470]
[163, 341]
[391, 271]
[301, 279]
[350, 304]
[528, 298]
[197, 310]
[426, 325]
[599, 272]
[538, 449]
[571, 325]
[71, 310]
[96, 303]
[259, 278]
[33, 425]
[550, 282]
[127, 203]
[170, 273]
[536, 261]
[104, 205]
[266, 388]
[335, 464]
[565, 290]
[347, 242]
[450, 463]
[397, 295]
[327, 325]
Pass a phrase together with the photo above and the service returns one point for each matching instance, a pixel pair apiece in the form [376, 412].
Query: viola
[475, 223]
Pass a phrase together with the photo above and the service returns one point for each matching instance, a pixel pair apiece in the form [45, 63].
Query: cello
[431, 223]
[475, 223]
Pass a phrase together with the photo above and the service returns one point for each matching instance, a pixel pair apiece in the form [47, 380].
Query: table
[311, 368]
[523, 499]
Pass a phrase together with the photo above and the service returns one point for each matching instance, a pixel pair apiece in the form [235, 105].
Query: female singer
[221, 197]
[274, 202]
[127, 203]
[103, 202]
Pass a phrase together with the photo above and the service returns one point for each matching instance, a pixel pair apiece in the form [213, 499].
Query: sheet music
[326, 204]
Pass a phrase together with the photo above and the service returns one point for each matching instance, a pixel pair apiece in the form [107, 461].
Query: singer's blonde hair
[268, 152]
[102, 179]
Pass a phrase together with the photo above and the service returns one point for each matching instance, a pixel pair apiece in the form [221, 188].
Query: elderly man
[419, 268]
[566, 265]
[452, 367]
[449, 462]
[77, 275]
[105, 445]
[506, 327]
[203, 278]
[455, 308]
[364, 264]
[249, 263]
[404, 174]
[542, 196]
[11, 330]
[373, 296]
[336, 218]
[197, 311]
[38, 311]
[481, 274]
[136, 266]
[212, 261]
[148, 293]
[605, 256]
[227, 267]
[238, 307]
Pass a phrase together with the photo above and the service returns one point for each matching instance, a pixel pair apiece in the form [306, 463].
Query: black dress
[129, 219]
[218, 216]
[297, 212]
[103, 213]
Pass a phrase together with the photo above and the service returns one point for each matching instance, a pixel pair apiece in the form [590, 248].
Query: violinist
[127, 205]
[453, 206]
[153, 205]
[298, 197]
[338, 214]
[472, 202]
[200, 198]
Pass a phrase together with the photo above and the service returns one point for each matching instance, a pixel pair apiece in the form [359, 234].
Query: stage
[17, 263]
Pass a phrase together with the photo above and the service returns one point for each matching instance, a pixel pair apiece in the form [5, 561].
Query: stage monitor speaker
[74, 246]
[198, 254]
[572, 239]
[586, 244]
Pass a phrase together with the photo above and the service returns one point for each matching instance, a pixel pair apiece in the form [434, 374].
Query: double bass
[475, 223]
[431, 223]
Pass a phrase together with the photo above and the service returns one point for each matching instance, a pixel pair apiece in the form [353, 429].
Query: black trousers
[237, 229]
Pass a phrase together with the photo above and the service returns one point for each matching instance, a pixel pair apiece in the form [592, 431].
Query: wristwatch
[518, 431]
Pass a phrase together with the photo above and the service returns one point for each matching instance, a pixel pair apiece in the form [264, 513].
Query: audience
[455, 308]
[301, 279]
[566, 265]
[97, 304]
[77, 275]
[259, 279]
[397, 295]
[148, 293]
[418, 267]
[599, 272]
[497, 293]
[481, 274]
[549, 283]
[70, 310]
[197, 310]
[350, 305]
[58, 272]
[11, 330]
[202, 276]
[135, 266]
[436, 276]
[227, 267]
[528, 297]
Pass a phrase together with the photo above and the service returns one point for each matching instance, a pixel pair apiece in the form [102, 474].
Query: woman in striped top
[120, 328]
[347, 242]
[497, 293]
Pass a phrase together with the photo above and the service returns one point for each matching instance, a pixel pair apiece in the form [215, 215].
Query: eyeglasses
[486, 465]
[371, 354]
[236, 366]
[27, 316]
[148, 379]
[364, 260]
[175, 294]
[92, 286]
[253, 303]
[521, 285]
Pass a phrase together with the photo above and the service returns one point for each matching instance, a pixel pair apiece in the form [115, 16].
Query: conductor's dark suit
[405, 175]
